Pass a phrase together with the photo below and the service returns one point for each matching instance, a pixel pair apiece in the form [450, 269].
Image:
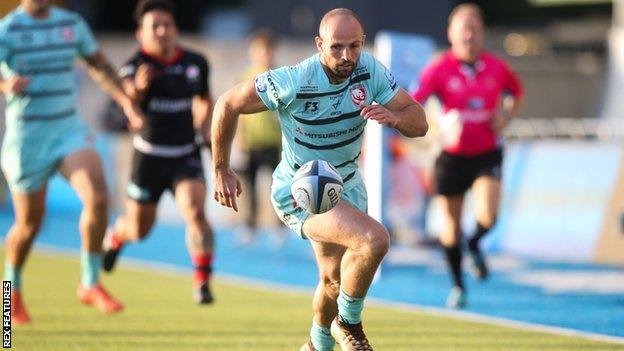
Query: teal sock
[321, 338]
[90, 264]
[350, 308]
[12, 274]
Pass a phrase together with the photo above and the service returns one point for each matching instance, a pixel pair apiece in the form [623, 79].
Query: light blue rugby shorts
[28, 162]
[294, 217]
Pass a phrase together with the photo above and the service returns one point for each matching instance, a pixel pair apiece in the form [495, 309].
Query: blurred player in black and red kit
[171, 84]
[470, 83]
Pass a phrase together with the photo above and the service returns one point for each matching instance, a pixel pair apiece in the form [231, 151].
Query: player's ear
[363, 39]
[319, 43]
[137, 33]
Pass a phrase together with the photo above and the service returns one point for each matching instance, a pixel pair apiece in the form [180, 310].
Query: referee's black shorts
[152, 175]
[454, 174]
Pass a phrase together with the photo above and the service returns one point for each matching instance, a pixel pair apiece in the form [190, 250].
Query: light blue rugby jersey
[320, 120]
[43, 50]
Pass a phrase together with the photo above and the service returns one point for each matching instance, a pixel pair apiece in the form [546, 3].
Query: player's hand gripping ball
[317, 186]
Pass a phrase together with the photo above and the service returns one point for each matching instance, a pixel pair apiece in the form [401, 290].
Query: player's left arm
[401, 113]
[512, 101]
[241, 99]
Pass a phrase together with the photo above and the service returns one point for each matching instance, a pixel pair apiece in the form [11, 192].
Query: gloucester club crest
[67, 33]
[358, 94]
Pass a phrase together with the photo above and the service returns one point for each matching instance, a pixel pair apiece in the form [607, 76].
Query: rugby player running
[171, 85]
[470, 83]
[38, 45]
[324, 104]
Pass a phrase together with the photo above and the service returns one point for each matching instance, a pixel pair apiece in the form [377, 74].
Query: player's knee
[377, 241]
[450, 238]
[452, 225]
[331, 286]
[97, 202]
[27, 230]
[196, 216]
[451, 234]
[488, 221]
[448, 241]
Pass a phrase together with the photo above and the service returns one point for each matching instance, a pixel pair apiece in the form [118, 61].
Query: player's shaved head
[337, 18]
[340, 42]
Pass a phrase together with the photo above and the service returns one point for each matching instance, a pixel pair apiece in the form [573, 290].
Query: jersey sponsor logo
[311, 106]
[67, 33]
[476, 103]
[455, 84]
[261, 83]
[170, 105]
[274, 93]
[308, 88]
[338, 101]
[359, 71]
[474, 116]
[330, 135]
[335, 106]
[391, 79]
[358, 94]
[192, 73]
[178, 69]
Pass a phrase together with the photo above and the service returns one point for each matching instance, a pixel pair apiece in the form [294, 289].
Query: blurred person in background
[259, 134]
[324, 103]
[470, 83]
[171, 85]
[38, 46]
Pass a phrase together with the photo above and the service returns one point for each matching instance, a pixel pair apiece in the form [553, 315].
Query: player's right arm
[241, 99]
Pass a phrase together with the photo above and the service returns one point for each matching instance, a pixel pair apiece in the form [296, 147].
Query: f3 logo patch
[311, 106]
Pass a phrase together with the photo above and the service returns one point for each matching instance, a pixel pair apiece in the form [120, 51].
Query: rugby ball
[317, 186]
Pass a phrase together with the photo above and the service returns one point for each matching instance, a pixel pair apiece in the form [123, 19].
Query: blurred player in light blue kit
[38, 45]
[324, 103]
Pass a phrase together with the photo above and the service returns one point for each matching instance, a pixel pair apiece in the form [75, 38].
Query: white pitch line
[265, 285]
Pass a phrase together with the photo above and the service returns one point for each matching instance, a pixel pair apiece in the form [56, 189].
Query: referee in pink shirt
[479, 94]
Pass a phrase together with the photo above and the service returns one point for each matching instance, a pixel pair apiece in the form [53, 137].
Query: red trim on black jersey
[177, 55]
